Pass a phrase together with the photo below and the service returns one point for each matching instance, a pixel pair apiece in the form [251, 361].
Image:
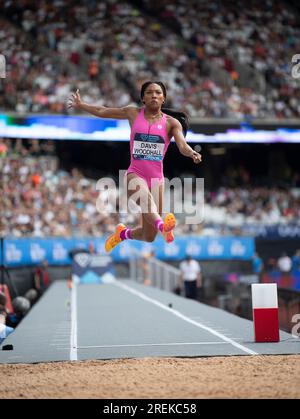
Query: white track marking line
[183, 317]
[153, 344]
[73, 337]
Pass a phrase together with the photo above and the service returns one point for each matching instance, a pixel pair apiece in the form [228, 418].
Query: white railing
[150, 271]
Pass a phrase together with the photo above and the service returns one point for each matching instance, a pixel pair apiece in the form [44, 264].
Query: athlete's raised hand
[74, 100]
[197, 158]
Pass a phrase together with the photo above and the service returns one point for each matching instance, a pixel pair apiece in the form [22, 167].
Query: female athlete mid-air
[152, 128]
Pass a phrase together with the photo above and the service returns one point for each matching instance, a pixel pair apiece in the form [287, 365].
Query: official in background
[41, 278]
[190, 277]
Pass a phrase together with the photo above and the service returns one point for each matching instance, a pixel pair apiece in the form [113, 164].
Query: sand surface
[217, 377]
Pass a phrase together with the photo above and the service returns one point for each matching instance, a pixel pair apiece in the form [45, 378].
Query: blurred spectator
[36, 179]
[91, 249]
[257, 264]
[41, 278]
[3, 301]
[21, 307]
[3, 150]
[284, 263]
[93, 69]
[4, 329]
[271, 265]
[144, 263]
[296, 261]
[190, 277]
[32, 296]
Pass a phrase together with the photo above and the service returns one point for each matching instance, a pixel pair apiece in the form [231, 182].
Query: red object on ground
[266, 324]
[265, 312]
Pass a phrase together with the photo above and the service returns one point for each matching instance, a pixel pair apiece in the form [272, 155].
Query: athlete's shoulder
[172, 123]
[131, 113]
[171, 120]
[131, 109]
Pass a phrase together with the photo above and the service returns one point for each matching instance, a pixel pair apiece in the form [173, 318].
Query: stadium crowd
[108, 48]
[41, 199]
[263, 36]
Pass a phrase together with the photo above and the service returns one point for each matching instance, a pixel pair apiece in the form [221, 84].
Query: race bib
[148, 147]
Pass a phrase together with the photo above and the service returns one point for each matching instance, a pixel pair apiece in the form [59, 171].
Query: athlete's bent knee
[150, 237]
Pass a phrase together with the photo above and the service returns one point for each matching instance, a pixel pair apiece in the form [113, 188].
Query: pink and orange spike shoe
[114, 239]
[169, 225]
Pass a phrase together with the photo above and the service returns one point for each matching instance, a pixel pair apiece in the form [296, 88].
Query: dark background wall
[266, 163]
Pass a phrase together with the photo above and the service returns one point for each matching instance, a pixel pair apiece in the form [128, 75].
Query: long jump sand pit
[183, 378]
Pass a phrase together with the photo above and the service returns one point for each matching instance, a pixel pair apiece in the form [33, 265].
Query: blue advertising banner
[72, 127]
[58, 251]
[92, 269]
[199, 247]
[274, 232]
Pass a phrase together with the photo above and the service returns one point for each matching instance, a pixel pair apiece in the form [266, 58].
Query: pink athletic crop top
[148, 146]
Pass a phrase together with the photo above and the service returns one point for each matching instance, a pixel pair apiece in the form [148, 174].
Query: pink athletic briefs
[148, 146]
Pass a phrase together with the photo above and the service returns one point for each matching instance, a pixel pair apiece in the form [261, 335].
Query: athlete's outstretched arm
[182, 145]
[100, 111]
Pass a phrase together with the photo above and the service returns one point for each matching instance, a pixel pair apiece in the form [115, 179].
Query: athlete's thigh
[157, 196]
[136, 185]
